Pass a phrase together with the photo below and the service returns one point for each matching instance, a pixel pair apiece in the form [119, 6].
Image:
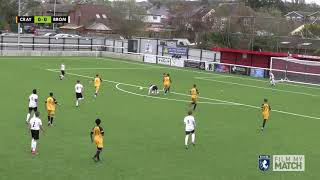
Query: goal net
[293, 70]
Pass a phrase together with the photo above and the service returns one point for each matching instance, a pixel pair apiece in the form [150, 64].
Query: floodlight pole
[54, 12]
[19, 10]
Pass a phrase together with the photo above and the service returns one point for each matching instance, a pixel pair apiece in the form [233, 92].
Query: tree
[9, 9]
[127, 17]
[311, 31]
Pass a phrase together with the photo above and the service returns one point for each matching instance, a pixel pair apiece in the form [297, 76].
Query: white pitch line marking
[252, 86]
[205, 72]
[235, 103]
[170, 99]
[74, 69]
[167, 67]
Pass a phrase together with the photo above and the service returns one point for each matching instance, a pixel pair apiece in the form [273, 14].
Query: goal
[293, 70]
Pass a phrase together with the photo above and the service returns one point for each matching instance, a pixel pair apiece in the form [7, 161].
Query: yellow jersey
[98, 133]
[265, 108]
[97, 81]
[51, 103]
[194, 92]
[166, 80]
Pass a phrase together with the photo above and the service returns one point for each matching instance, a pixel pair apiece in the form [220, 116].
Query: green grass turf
[144, 137]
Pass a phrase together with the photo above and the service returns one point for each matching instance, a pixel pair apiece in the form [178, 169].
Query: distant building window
[155, 17]
[98, 16]
[104, 16]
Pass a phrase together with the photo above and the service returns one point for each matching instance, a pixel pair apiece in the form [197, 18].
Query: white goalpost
[292, 70]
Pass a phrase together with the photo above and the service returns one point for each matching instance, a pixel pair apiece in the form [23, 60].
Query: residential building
[87, 18]
[303, 17]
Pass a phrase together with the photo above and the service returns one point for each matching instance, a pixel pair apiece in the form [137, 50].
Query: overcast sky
[316, 1]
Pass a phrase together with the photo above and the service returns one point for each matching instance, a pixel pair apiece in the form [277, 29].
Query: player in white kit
[62, 69]
[272, 81]
[78, 89]
[33, 104]
[190, 125]
[35, 124]
[153, 89]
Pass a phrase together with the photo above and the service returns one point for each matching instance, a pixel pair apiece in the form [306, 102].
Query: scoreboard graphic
[42, 19]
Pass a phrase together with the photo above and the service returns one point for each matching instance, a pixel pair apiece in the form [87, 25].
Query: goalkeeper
[271, 77]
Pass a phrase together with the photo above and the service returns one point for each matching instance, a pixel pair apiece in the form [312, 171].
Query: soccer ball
[140, 88]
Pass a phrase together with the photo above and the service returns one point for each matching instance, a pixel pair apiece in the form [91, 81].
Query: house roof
[300, 13]
[70, 26]
[162, 10]
[200, 12]
[314, 13]
[297, 30]
[86, 14]
[98, 27]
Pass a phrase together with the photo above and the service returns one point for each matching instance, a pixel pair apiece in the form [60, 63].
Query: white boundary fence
[159, 47]
[25, 49]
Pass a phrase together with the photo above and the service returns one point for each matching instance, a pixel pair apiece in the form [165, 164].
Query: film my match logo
[283, 163]
[288, 163]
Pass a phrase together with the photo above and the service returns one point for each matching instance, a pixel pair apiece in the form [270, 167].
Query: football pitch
[144, 135]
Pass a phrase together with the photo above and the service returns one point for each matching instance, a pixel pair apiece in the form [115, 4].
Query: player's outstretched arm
[45, 105]
[56, 102]
[91, 133]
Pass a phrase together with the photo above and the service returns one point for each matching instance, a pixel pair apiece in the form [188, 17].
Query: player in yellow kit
[50, 105]
[97, 83]
[265, 108]
[96, 135]
[166, 83]
[194, 96]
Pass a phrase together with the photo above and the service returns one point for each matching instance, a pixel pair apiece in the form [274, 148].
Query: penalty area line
[170, 99]
[213, 99]
[252, 86]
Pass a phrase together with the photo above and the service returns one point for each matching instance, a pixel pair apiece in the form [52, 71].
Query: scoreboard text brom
[42, 19]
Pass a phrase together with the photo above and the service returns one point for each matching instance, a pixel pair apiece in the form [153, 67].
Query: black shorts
[35, 134]
[79, 95]
[154, 88]
[190, 132]
[100, 149]
[62, 72]
[35, 109]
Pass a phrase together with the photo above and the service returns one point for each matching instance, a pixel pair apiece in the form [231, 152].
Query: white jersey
[190, 123]
[35, 123]
[153, 89]
[271, 76]
[78, 88]
[33, 100]
[63, 67]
